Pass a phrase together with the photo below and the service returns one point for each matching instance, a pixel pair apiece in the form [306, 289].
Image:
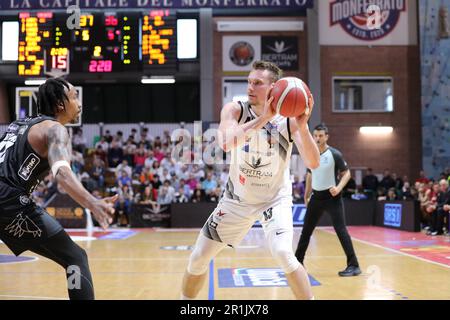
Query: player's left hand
[103, 210]
[269, 110]
[335, 191]
[302, 120]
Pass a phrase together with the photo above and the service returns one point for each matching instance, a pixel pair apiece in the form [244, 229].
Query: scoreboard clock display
[57, 61]
[105, 42]
[57, 55]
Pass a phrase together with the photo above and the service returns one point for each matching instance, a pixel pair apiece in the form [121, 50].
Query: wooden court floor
[149, 264]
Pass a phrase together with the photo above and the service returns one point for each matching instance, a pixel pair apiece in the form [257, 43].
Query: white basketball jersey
[259, 169]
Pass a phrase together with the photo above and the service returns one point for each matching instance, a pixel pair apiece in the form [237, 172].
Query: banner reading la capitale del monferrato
[152, 4]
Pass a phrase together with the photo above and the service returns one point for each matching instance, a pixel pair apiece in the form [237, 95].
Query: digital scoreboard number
[105, 42]
[57, 62]
[159, 49]
[35, 34]
[57, 56]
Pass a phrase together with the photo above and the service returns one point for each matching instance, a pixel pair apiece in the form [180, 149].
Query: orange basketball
[291, 97]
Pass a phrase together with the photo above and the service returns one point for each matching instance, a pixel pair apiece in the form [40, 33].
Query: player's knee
[198, 262]
[77, 256]
[286, 260]
[83, 256]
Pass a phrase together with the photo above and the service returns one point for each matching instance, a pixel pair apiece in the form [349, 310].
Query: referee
[326, 196]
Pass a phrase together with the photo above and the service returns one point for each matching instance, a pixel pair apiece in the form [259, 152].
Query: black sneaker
[350, 271]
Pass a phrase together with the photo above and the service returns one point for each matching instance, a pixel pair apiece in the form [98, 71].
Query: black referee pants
[319, 203]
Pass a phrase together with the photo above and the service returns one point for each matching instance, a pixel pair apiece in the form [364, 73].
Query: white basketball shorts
[231, 221]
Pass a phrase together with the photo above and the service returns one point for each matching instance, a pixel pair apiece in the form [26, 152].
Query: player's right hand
[103, 210]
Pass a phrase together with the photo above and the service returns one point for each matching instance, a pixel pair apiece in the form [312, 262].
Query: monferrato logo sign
[353, 16]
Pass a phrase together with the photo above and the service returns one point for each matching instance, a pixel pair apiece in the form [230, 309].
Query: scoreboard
[104, 42]
[112, 47]
[35, 34]
[158, 33]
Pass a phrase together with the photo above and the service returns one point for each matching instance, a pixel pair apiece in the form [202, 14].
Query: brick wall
[399, 151]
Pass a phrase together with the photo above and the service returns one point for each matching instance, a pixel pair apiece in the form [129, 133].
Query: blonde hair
[277, 73]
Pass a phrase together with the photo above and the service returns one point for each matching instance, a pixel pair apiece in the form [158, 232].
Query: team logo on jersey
[354, 18]
[242, 179]
[252, 173]
[256, 163]
[24, 200]
[21, 225]
[242, 53]
[28, 166]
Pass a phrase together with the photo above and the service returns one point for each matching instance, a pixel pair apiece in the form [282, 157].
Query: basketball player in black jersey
[28, 149]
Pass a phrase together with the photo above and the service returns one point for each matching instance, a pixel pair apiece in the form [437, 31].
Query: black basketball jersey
[21, 167]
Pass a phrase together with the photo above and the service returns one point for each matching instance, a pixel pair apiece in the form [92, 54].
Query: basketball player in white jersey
[259, 186]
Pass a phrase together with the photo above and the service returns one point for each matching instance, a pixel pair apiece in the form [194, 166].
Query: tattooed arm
[59, 147]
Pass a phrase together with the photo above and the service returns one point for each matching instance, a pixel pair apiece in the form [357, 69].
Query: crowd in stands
[140, 170]
[433, 195]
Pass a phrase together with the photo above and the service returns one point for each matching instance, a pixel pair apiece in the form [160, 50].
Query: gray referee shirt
[326, 175]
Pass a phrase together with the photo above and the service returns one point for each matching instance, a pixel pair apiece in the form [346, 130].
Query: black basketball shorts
[24, 225]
